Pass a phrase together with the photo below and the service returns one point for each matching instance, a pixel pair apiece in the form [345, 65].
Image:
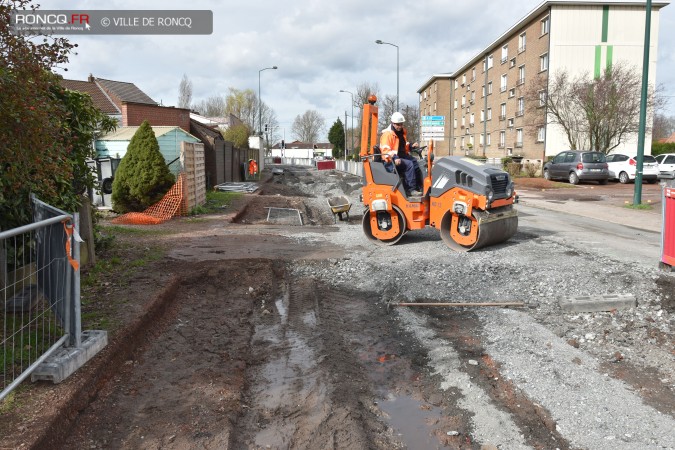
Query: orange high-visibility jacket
[253, 168]
[389, 143]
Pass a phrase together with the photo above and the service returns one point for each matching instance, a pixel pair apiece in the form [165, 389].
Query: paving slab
[606, 302]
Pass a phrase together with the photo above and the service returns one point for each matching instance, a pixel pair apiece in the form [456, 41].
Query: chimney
[91, 78]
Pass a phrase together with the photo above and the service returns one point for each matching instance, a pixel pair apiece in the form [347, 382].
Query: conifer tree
[142, 177]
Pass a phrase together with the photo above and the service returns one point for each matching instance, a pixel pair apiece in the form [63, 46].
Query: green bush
[506, 161]
[662, 147]
[142, 177]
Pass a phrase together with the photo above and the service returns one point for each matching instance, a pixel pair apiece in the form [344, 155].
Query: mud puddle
[247, 357]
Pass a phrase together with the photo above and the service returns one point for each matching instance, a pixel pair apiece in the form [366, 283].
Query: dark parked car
[577, 166]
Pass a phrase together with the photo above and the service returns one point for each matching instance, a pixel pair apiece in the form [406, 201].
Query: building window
[512, 92]
[512, 63]
[462, 143]
[489, 140]
[456, 84]
[463, 79]
[435, 87]
[425, 95]
[490, 62]
[454, 143]
[463, 100]
[463, 121]
[521, 75]
[489, 114]
[505, 53]
[521, 107]
[472, 119]
[482, 115]
[519, 137]
[455, 123]
[502, 84]
[502, 111]
[509, 123]
[483, 90]
[541, 134]
[543, 62]
[482, 138]
[434, 106]
[542, 98]
[502, 139]
[545, 22]
[473, 97]
[471, 140]
[522, 41]
[489, 87]
[455, 103]
[473, 74]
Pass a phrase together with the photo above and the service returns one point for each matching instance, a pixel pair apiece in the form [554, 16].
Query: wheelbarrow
[339, 205]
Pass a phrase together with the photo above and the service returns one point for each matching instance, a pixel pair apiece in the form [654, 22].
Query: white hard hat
[397, 117]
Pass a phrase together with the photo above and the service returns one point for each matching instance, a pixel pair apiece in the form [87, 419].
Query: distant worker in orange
[252, 168]
[396, 149]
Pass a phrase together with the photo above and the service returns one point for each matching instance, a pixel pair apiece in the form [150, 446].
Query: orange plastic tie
[68, 227]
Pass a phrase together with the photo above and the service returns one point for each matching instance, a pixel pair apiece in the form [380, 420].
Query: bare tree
[308, 127]
[412, 122]
[387, 107]
[213, 106]
[185, 92]
[594, 113]
[663, 126]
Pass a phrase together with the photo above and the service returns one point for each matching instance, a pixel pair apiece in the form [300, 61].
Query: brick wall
[133, 114]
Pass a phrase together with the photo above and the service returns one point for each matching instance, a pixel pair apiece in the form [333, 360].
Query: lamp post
[393, 45]
[260, 100]
[352, 94]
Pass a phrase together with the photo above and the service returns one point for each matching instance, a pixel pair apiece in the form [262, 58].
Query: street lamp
[352, 94]
[260, 100]
[393, 45]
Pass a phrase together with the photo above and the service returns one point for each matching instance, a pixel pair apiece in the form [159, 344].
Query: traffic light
[266, 128]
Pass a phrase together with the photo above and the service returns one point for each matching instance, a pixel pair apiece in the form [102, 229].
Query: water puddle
[412, 420]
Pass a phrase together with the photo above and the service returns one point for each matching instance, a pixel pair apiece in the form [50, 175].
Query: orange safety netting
[171, 205]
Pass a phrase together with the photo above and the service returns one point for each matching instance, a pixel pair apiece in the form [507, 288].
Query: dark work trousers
[409, 167]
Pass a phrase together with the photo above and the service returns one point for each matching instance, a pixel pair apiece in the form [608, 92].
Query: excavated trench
[244, 355]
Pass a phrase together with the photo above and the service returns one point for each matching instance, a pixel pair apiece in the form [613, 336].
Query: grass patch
[216, 201]
[641, 206]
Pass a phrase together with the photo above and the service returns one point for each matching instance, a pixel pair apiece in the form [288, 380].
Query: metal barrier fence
[39, 289]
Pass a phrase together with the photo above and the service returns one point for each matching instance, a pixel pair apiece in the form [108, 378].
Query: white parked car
[622, 168]
[666, 162]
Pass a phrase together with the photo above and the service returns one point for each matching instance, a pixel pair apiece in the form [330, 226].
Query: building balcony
[520, 81]
[502, 89]
[518, 145]
[501, 145]
[521, 49]
[504, 59]
[520, 112]
[502, 117]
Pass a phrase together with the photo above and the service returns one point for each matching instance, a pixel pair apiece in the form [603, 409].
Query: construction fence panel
[36, 288]
[40, 292]
[194, 168]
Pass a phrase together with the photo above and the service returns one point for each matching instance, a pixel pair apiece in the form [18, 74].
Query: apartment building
[487, 104]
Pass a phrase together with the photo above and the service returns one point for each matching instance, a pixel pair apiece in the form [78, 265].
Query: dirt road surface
[251, 334]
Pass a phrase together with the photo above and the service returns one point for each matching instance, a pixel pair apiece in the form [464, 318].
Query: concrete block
[606, 302]
[66, 360]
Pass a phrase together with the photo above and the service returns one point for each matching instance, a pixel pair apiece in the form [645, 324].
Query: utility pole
[637, 195]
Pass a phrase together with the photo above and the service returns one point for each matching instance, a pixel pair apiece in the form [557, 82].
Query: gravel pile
[537, 270]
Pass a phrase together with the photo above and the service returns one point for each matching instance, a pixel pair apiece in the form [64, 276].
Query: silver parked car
[624, 167]
[576, 166]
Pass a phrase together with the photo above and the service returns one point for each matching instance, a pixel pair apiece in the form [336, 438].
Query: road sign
[426, 129]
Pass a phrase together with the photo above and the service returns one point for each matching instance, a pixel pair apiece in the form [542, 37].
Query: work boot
[415, 193]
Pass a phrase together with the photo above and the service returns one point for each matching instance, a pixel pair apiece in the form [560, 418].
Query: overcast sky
[319, 46]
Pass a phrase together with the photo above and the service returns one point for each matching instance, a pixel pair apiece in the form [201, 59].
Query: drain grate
[284, 216]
